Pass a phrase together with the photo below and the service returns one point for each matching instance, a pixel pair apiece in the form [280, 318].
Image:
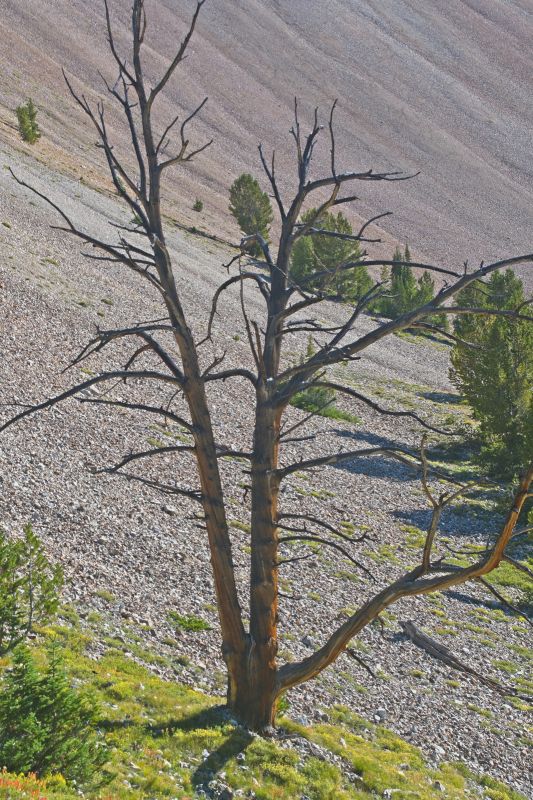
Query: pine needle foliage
[46, 726]
[29, 588]
[406, 292]
[496, 376]
[251, 208]
[27, 120]
[319, 254]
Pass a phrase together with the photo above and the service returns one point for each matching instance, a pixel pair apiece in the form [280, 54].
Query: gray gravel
[150, 553]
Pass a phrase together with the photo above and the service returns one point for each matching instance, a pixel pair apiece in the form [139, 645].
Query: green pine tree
[29, 588]
[426, 293]
[46, 726]
[497, 377]
[403, 288]
[318, 254]
[27, 120]
[406, 293]
[251, 208]
[21, 734]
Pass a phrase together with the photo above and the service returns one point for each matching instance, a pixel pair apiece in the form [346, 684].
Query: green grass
[106, 595]
[166, 740]
[507, 576]
[188, 623]
[302, 402]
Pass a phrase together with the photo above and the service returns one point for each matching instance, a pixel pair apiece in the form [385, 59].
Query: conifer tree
[424, 294]
[316, 253]
[496, 375]
[46, 726]
[406, 293]
[27, 119]
[251, 208]
[29, 588]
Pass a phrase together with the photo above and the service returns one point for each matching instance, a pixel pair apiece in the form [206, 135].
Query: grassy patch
[330, 412]
[188, 623]
[106, 595]
[167, 741]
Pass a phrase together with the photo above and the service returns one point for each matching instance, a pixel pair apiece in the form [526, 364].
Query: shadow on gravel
[442, 397]
[490, 603]
[373, 466]
[451, 524]
[236, 742]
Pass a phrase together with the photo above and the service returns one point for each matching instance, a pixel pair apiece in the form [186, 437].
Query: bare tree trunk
[254, 680]
[255, 700]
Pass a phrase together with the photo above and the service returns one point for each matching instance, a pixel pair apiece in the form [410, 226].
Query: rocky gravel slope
[134, 556]
[440, 88]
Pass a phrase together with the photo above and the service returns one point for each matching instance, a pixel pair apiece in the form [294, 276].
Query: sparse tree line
[492, 357]
[495, 374]
[315, 256]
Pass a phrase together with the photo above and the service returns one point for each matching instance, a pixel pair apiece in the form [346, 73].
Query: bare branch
[231, 373]
[337, 387]
[178, 58]
[307, 537]
[157, 451]
[398, 453]
[409, 584]
[271, 175]
[321, 523]
[164, 488]
[162, 412]
[80, 387]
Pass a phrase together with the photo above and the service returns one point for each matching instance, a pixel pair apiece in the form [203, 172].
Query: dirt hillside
[444, 88]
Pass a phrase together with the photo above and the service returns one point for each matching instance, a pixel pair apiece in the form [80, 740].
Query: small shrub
[27, 119]
[198, 206]
[29, 588]
[251, 208]
[188, 623]
[320, 399]
[46, 726]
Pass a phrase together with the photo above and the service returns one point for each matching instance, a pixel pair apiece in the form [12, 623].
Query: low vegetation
[153, 738]
[251, 208]
[320, 400]
[29, 588]
[27, 121]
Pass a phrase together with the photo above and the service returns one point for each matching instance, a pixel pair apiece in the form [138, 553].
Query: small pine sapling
[47, 727]
[27, 119]
[29, 588]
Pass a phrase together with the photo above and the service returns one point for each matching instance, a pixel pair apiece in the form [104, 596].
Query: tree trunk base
[257, 713]
[253, 696]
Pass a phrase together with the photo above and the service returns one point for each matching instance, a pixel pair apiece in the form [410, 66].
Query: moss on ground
[167, 740]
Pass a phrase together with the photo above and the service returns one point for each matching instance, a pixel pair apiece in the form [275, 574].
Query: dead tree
[255, 679]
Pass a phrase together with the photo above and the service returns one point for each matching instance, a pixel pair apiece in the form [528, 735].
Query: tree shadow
[378, 466]
[452, 523]
[450, 398]
[236, 742]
